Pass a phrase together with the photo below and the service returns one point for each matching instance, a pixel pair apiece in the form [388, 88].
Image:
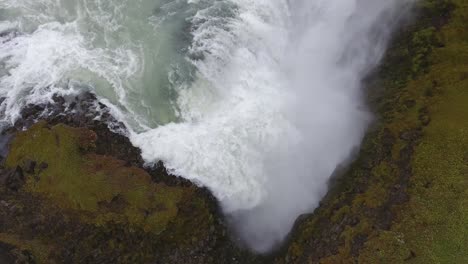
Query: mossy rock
[76, 206]
[405, 198]
[105, 188]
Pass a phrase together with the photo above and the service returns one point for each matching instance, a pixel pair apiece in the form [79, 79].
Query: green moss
[104, 187]
[408, 189]
[90, 208]
[387, 247]
[432, 225]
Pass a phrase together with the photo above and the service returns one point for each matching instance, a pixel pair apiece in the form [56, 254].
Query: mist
[332, 46]
[257, 100]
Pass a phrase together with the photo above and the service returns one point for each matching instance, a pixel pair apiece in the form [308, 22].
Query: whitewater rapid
[258, 100]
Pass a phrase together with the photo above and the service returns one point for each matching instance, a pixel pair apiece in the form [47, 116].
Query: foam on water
[258, 100]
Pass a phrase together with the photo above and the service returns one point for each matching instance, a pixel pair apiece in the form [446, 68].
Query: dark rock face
[13, 179]
[10, 254]
[29, 166]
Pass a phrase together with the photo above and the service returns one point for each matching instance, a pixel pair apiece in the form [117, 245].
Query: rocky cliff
[74, 191]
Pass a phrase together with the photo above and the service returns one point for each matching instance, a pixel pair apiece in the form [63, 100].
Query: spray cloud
[258, 100]
[331, 47]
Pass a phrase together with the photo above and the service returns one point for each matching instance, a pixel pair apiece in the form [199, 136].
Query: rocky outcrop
[74, 191]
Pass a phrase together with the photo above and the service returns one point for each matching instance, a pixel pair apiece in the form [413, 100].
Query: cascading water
[258, 100]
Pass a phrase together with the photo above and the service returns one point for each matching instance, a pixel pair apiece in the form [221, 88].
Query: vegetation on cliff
[72, 191]
[96, 184]
[61, 202]
[405, 198]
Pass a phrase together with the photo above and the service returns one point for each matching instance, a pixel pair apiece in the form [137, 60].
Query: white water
[258, 100]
